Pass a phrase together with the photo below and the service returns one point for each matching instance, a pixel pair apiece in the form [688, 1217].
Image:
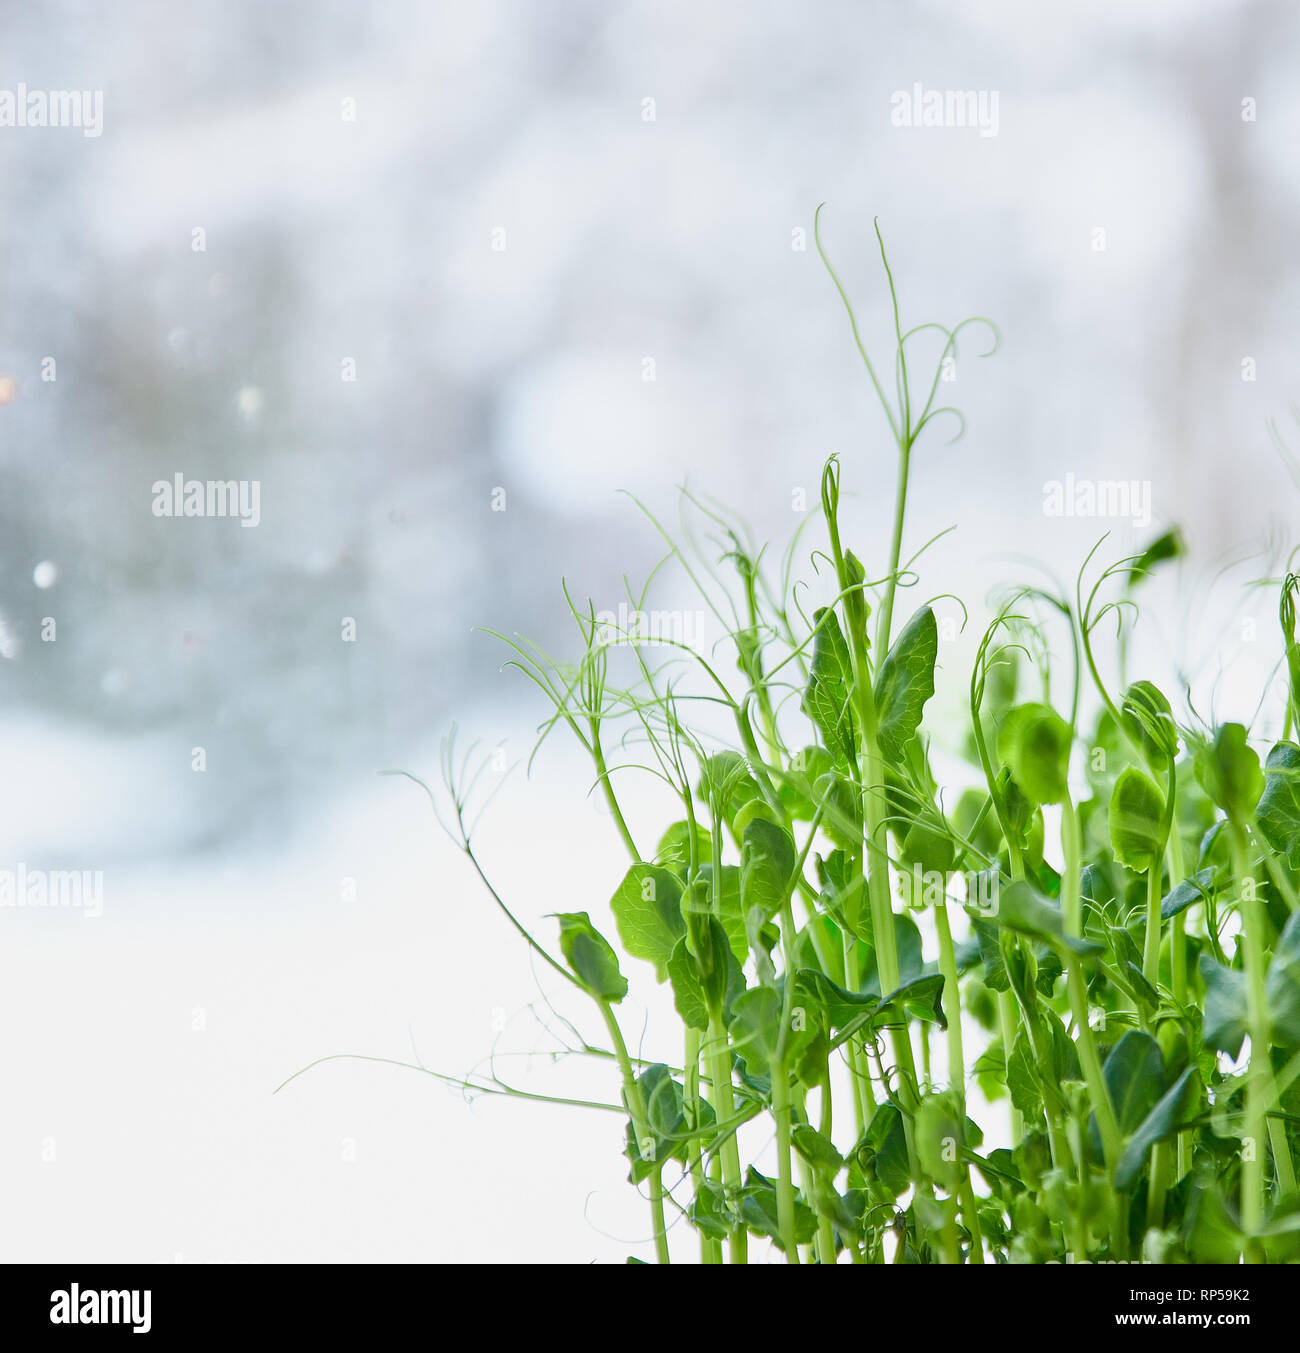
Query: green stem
[825, 1229]
[784, 1180]
[602, 773]
[1151, 947]
[1260, 1073]
[1009, 1021]
[781, 1106]
[1072, 912]
[951, 1240]
[1053, 1105]
[725, 1108]
[641, 1133]
[821, 942]
[1156, 1186]
[884, 622]
[710, 1252]
[861, 1074]
[1178, 935]
[657, 1214]
[875, 841]
[1286, 1184]
[957, 1068]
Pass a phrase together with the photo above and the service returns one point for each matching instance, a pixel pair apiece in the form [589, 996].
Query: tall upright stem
[957, 1068]
[640, 1128]
[1260, 1073]
[602, 773]
[1151, 946]
[1072, 912]
[884, 622]
[710, 1253]
[725, 1106]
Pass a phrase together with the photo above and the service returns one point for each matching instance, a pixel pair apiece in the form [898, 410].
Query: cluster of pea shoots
[1134, 1137]
[1112, 1014]
[1154, 1106]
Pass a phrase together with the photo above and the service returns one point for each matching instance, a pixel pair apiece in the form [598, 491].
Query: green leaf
[841, 804]
[674, 849]
[1147, 996]
[940, 1133]
[1178, 1104]
[1279, 807]
[995, 969]
[1022, 1078]
[882, 1152]
[855, 602]
[1032, 1158]
[1134, 1074]
[926, 844]
[1021, 908]
[688, 989]
[841, 1006]
[826, 701]
[755, 1028]
[1097, 888]
[1188, 892]
[729, 912]
[795, 790]
[1224, 1024]
[755, 808]
[1164, 547]
[758, 1211]
[1213, 1236]
[907, 944]
[727, 781]
[843, 894]
[1284, 987]
[648, 912]
[1023, 1072]
[703, 969]
[708, 1212]
[1123, 946]
[767, 858]
[817, 1150]
[812, 1058]
[998, 1169]
[1149, 721]
[905, 682]
[990, 1069]
[1136, 820]
[1228, 770]
[589, 954]
[665, 1121]
[920, 997]
[1034, 741]
[1020, 810]
[1050, 967]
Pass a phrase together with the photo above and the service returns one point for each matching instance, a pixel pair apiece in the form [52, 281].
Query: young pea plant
[824, 923]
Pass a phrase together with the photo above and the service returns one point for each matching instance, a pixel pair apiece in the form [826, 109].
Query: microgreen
[855, 956]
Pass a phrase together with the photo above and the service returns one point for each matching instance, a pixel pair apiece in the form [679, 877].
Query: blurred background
[441, 280]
